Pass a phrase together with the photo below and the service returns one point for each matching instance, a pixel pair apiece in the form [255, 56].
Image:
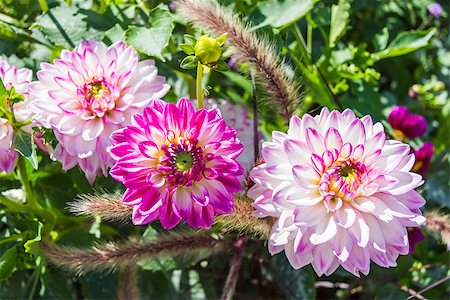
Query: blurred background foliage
[365, 55]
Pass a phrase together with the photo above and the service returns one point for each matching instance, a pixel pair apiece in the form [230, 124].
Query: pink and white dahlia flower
[177, 163]
[341, 193]
[236, 116]
[19, 79]
[87, 94]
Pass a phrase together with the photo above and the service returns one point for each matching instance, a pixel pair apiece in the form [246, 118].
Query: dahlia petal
[314, 140]
[325, 231]
[342, 245]
[360, 231]
[407, 182]
[305, 175]
[92, 129]
[345, 216]
[309, 215]
[294, 151]
[295, 260]
[169, 216]
[323, 259]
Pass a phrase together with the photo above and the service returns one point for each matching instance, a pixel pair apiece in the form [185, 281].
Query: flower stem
[31, 200]
[43, 5]
[199, 85]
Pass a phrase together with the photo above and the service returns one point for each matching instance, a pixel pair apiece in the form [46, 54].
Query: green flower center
[347, 172]
[97, 89]
[184, 161]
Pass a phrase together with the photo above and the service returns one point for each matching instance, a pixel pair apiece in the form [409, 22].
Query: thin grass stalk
[128, 284]
[233, 273]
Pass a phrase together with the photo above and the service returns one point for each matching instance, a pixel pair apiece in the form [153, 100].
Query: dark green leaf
[340, 16]
[8, 263]
[222, 66]
[295, 284]
[65, 27]
[152, 41]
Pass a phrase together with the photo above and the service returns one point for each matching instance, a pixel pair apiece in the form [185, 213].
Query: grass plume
[439, 224]
[108, 206]
[242, 220]
[269, 67]
[111, 255]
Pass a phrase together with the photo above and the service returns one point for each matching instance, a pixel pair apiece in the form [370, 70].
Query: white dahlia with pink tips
[19, 79]
[87, 94]
[340, 192]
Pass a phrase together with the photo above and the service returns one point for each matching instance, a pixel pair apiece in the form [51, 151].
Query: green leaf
[340, 16]
[405, 43]
[189, 62]
[8, 263]
[189, 39]
[282, 13]
[32, 246]
[187, 48]
[3, 95]
[222, 66]
[65, 27]
[152, 41]
[295, 284]
[23, 143]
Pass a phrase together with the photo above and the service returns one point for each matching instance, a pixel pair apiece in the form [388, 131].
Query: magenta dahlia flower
[177, 163]
[340, 192]
[19, 79]
[87, 94]
[423, 158]
[236, 116]
[407, 124]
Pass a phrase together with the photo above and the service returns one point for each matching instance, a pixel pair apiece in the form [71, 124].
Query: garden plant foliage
[371, 57]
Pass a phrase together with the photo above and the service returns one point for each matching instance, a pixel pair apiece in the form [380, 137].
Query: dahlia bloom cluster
[87, 94]
[177, 163]
[19, 79]
[407, 124]
[340, 192]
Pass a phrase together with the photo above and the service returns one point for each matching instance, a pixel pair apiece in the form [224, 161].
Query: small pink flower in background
[236, 116]
[407, 124]
[423, 158]
[341, 193]
[87, 94]
[415, 236]
[177, 163]
[435, 9]
[19, 79]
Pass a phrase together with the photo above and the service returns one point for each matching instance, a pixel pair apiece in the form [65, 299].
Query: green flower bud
[207, 50]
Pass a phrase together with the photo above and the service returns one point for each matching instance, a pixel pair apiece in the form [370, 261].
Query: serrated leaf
[406, 42]
[152, 41]
[23, 143]
[340, 16]
[189, 62]
[282, 13]
[295, 284]
[8, 263]
[65, 27]
[188, 49]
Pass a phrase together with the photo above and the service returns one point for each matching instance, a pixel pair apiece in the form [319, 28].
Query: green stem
[309, 38]
[31, 200]
[199, 85]
[36, 275]
[43, 5]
